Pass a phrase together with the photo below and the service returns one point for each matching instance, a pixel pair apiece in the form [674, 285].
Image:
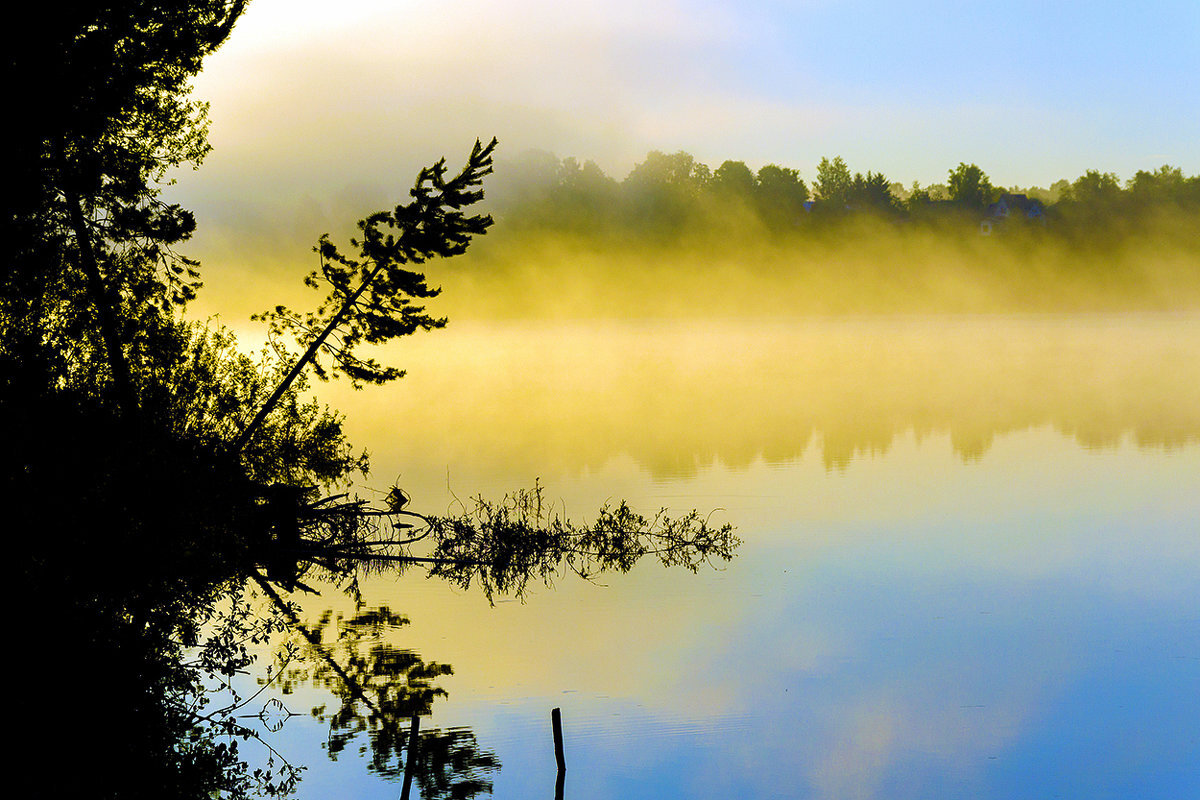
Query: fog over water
[969, 558]
[561, 397]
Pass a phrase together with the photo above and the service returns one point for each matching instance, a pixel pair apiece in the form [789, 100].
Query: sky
[1030, 90]
[323, 111]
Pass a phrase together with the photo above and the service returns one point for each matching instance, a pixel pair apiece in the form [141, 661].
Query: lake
[970, 563]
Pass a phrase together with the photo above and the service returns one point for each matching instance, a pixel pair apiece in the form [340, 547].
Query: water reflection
[143, 598]
[378, 692]
[970, 564]
[529, 399]
[908, 627]
[916, 623]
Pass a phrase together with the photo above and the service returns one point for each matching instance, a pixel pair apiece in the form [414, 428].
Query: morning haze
[319, 115]
[678, 238]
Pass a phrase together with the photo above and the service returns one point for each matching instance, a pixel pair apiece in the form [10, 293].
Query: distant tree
[969, 186]
[1045, 196]
[1095, 189]
[539, 191]
[1058, 189]
[1164, 185]
[733, 179]
[585, 199]
[918, 199]
[924, 202]
[525, 180]
[780, 195]
[660, 193]
[586, 178]
[872, 192]
[833, 183]
[660, 169]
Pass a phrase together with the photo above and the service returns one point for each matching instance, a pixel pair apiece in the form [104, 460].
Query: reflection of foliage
[378, 686]
[147, 654]
[378, 689]
[451, 765]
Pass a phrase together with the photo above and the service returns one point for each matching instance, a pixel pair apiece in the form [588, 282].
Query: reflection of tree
[450, 765]
[834, 391]
[378, 689]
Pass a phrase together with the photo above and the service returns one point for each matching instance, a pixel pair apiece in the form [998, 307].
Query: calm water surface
[971, 559]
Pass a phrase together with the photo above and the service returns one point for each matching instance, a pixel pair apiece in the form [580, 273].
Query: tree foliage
[833, 183]
[969, 187]
[734, 179]
[90, 262]
[780, 195]
[674, 201]
[370, 298]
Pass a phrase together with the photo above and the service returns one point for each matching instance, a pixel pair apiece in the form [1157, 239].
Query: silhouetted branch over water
[379, 308]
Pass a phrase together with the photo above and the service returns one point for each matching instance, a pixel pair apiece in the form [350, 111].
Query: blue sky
[1031, 91]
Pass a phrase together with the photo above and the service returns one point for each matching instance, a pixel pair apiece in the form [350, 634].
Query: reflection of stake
[410, 764]
[556, 722]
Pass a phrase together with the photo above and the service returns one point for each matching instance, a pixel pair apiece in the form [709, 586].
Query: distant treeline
[677, 238]
[671, 196]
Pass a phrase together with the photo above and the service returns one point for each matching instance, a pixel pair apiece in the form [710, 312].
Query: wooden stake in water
[559, 783]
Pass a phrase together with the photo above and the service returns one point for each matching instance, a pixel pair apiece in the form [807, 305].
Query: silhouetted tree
[105, 114]
[128, 475]
[370, 298]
